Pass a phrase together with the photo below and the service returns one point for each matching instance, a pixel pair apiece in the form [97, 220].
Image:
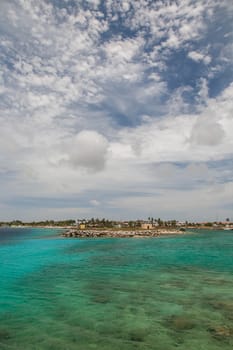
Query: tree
[160, 222]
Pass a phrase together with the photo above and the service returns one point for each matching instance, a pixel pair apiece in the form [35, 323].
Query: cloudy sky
[116, 108]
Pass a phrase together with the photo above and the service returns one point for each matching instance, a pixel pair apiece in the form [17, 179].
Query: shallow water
[156, 293]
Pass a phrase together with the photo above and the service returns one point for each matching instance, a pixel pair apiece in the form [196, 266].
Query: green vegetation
[20, 223]
[102, 223]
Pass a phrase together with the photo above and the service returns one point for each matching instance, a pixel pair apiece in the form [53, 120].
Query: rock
[220, 332]
[101, 299]
[117, 234]
[225, 307]
[4, 334]
[181, 323]
[138, 335]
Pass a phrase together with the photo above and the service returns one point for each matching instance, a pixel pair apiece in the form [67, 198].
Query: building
[146, 226]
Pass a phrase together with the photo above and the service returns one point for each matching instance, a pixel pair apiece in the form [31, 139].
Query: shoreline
[73, 233]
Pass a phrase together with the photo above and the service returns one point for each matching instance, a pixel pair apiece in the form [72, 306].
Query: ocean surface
[110, 294]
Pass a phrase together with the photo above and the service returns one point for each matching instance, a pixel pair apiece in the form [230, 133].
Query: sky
[116, 109]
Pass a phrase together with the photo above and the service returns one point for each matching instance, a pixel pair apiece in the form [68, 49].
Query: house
[118, 225]
[82, 226]
[146, 226]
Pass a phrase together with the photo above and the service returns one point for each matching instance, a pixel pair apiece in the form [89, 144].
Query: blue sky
[118, 109]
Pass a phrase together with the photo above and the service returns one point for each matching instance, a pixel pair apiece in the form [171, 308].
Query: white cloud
[196, 204]
[94, 202]
[198, 57]
[81, 111]
[182, 137]
[207, 132]
[88, 149]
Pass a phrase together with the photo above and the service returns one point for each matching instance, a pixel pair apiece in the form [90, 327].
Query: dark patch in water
[100, 299]
[4, 334]
[136, 337]
[225, 307]
[221, 333]
[180, 323]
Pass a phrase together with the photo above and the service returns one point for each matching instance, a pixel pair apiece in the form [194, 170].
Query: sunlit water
[156, 293]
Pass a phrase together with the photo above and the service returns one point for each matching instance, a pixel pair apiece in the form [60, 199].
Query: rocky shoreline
[75, 233]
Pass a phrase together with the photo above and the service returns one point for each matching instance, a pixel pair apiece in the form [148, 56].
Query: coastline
[75, 233]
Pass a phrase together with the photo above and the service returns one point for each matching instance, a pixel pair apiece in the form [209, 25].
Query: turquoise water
[156, 293]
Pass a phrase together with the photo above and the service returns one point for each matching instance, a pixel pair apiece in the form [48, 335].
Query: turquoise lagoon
[156, 293]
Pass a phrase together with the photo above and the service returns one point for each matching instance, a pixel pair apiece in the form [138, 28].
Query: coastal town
[95, 227]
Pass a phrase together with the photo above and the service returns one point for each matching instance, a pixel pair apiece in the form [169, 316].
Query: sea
[166, 293]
